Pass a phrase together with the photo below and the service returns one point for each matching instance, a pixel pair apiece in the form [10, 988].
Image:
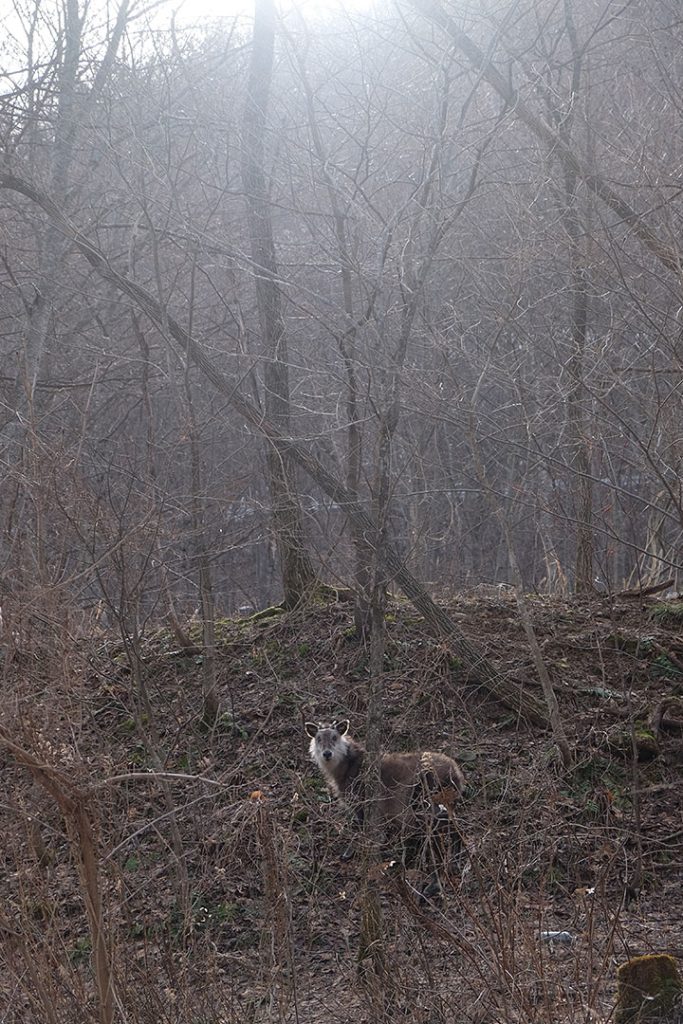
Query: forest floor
[217, 853]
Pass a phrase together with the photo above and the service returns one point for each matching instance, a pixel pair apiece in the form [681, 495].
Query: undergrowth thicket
[157, 870]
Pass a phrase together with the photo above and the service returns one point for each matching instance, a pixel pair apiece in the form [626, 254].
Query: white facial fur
[328, 741]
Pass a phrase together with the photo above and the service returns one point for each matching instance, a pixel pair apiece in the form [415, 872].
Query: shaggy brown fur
[417, 790]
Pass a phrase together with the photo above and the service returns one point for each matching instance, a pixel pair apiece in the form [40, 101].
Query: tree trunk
[498, 509]
[372, 953]
[297, 571]
[347, 342]
[577, 396]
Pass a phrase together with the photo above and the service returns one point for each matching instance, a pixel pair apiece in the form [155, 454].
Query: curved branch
[477, 666]
[667, 255]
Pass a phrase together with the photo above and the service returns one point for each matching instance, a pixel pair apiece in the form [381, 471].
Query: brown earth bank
[156, 870]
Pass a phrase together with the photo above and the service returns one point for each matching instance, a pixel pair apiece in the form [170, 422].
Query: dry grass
[96, 927]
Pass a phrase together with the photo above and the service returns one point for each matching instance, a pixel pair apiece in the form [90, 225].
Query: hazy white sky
[16, 17]
[193, 9]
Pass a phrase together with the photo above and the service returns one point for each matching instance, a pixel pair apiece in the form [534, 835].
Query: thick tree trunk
[297, 571]
[582, 485]
[577, 398]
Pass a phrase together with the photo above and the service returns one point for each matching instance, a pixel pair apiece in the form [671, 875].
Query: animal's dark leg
[422, 839]
[443, 851]
[432, 888]
[416, 831]
[434, 854]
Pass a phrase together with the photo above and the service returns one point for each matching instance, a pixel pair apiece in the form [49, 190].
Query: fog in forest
[311, 295]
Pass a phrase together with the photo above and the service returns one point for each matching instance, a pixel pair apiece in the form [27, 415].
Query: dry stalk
[73, 806]
[276, 946]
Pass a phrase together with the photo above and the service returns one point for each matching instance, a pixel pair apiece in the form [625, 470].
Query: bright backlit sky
[16, 16]
[193, 9]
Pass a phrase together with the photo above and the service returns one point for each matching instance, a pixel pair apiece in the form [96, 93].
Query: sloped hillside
[195, 875]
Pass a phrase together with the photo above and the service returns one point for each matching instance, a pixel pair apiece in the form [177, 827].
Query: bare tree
[297, 571]
[462, 230]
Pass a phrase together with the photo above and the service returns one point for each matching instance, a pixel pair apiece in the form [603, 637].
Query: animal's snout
[327, 754]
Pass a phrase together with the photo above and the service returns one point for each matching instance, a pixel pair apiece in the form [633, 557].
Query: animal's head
[327, 746]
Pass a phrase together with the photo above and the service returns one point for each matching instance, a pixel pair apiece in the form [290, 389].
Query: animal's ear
[311, 728]
[342, 727]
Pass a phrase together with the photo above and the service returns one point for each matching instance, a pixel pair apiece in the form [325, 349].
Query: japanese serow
[417, 791]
